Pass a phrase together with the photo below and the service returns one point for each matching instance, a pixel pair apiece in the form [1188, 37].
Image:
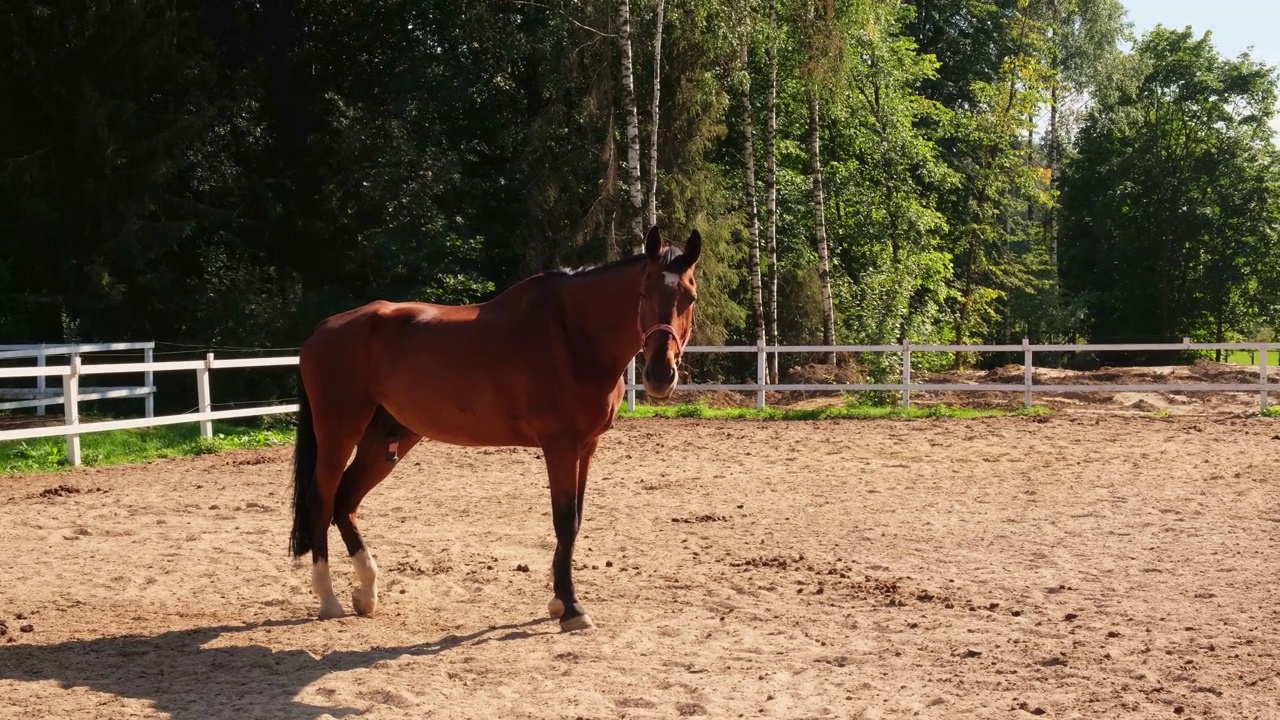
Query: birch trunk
[633, 129]
[653, 131]
[753, 216]
[1051, 232]
[609, 156]
[820, 230]
[771, 188]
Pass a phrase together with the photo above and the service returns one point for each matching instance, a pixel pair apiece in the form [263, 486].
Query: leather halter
[644, 334]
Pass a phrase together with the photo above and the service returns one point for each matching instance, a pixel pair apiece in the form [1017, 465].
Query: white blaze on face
[671, 279]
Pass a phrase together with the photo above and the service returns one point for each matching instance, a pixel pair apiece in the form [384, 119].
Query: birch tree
[771, 185]
[653, 129]
[749, 163]
[818, 61]
[633, 128]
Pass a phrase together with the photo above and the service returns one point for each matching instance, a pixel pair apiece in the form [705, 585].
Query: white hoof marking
[365, 598]
[322, 586]
[330, 609]
[582, 622]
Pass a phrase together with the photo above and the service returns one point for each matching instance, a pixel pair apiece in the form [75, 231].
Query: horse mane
[670, 254]
[531, 288]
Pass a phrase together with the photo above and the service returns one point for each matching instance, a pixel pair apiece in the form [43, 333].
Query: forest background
[225, 174]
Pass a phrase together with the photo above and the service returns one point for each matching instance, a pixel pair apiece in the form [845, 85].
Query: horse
[539, 365]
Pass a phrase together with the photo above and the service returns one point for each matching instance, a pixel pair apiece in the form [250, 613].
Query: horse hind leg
[329, 471]
[325, 441]
[384, 443]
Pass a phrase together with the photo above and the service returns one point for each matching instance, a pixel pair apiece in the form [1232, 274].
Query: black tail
[304, 476]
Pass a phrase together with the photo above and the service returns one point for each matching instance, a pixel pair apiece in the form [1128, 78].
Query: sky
[1236, 24]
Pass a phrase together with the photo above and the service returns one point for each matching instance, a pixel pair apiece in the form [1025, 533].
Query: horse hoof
[556, 608]
[581, 622]
[364, 602]
[330, 609]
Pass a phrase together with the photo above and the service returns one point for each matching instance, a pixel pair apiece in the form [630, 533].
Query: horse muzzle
[660, 381]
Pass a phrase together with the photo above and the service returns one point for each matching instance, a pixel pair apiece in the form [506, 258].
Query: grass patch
[1272, 412]
[839, 412]
[1242, 357]
[141, 445]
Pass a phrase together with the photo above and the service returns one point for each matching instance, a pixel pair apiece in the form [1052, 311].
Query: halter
[644, 334]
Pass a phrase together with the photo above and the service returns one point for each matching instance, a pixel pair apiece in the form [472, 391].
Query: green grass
[135, 446]
[841, 412]
[1241, 357]
[1272, 412]
[120, 447]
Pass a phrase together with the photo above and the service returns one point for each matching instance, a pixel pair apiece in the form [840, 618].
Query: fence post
[762, 365]
[1262, 377]
[71, 408]
[149, 379]
[1028, 374]
[906, 374]
[41, 380]
[202, 395]
[631, 385]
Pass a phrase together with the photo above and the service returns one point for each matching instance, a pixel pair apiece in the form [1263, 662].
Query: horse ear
[692, 248]
[653, 244]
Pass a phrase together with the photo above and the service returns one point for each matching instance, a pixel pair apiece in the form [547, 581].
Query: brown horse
[540, 365]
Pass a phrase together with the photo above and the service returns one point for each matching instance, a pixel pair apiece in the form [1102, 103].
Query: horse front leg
[555, 607]
[563, 462]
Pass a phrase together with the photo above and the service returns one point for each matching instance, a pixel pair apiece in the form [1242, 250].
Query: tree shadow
[191, 682]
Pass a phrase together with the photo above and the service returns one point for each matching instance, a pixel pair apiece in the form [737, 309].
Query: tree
[771, 185]
[825, 60]
[653, 114]
[753, 216]
[633, 127]
[1173, 182]
[1084, 55]
[887, 231]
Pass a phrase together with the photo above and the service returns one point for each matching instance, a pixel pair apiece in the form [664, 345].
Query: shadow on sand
[191, 682]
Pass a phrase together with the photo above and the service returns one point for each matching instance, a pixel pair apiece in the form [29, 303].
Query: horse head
[668, 293]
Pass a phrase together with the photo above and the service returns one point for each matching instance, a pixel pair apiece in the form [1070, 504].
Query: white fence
[41, 396]
[1026, 387]
[71, 374]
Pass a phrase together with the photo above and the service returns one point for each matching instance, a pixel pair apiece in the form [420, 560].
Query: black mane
[670, 258]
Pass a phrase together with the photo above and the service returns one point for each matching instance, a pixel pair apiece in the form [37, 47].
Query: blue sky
[1236, 24]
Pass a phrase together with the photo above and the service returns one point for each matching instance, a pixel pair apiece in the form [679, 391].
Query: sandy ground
[1073, 567]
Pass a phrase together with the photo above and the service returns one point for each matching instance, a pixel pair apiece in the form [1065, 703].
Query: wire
[233, 403]
[225, 348]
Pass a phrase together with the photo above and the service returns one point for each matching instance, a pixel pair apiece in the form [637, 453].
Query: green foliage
[886, 231]
[1174, 182]
[228, 174]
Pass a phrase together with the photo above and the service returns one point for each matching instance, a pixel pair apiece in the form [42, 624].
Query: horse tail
[304, 476]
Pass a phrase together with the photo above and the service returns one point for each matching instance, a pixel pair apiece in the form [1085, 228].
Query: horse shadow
[188, 681]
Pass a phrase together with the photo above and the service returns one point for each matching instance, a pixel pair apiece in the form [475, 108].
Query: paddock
[1074, 566]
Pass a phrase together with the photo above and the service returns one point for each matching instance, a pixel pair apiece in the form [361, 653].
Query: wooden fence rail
[41, 395]
[205, 415]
